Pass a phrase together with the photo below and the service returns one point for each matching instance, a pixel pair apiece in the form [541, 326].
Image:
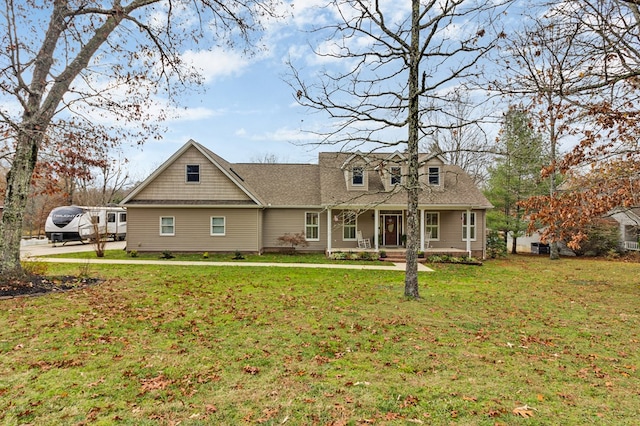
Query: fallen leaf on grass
[251, 370]
[524, 411]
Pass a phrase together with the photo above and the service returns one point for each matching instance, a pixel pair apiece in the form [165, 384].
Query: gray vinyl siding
[277, 222]
[451, 231]
[192, 230]
[172, 185]
[364, 222]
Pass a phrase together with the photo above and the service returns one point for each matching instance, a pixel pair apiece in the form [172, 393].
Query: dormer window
[396, 175]
[434, 175]
[193, 173]
[357, 176]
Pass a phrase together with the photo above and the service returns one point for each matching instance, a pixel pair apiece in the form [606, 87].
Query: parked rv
[79, 223]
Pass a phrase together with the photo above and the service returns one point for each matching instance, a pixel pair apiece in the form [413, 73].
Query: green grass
[222, 345]
[315, 258]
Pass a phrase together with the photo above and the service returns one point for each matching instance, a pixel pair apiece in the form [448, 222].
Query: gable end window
[396, 176]
[167, 225]
[434, 175]
[217, 226]
[357, 176]
[193, 173]
[312, 226]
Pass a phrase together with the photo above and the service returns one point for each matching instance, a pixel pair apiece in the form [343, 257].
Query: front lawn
[315, 258]
[518, 341]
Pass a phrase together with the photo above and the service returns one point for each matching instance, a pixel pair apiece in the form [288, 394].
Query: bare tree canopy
[401, 62]
[80, 66]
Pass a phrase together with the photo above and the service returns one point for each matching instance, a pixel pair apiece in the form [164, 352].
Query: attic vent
[236, 173]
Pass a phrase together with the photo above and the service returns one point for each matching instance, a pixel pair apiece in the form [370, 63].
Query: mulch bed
[37, 285]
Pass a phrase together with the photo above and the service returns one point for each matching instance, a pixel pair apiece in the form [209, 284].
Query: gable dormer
[356, 172]
[393, 171]
[432, 175]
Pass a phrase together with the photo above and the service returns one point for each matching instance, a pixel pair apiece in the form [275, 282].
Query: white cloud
[216, 63]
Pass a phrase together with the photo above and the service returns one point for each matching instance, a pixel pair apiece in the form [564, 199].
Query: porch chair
[427, 239]
[363, 243]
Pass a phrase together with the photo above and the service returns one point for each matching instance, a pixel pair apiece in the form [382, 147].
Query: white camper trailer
[79, 223]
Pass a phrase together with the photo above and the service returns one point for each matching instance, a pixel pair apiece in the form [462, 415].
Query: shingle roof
[323, 184]
[459, 188]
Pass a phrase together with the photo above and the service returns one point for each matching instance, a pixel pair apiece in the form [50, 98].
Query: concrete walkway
[34, 252]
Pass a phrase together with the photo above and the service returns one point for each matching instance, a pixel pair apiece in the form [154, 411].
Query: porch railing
[631, 245]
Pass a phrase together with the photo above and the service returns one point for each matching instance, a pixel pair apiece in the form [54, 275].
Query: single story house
[198, 202]
[628, 220]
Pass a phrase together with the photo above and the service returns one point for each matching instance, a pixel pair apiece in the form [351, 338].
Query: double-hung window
[193, 173]
[434, 175]
[469, 222]
[349, 224]
[217, 226]
[167, 225]
[312, 226]
[396, 176]
[357, 176]
[432, 225]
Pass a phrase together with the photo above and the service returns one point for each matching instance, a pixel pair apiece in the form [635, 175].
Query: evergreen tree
[516, 174]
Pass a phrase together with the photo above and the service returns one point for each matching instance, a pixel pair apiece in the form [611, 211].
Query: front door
[391, 230]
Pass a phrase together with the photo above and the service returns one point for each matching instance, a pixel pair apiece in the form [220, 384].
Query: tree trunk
[413, 183]
[15, 202]
[514, 245]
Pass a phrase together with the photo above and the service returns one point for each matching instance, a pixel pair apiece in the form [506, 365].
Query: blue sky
[248, 111]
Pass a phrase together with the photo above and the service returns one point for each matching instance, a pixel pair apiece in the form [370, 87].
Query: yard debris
[524, 411]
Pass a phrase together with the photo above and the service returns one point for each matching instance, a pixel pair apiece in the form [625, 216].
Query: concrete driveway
[44, 248]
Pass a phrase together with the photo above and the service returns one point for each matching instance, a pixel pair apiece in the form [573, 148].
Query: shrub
[237, 255]
[293, 240]
[133, 253]
[339, 255]
[205, 255]
[603, 237]
[365, 255]
[167, 255]
[496, 245]
[383, 254]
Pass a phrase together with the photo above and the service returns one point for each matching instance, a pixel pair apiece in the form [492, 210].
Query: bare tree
[67, 64]
[460, 138]
[399, 64]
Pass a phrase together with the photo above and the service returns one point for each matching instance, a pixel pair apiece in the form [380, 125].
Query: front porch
[453, 232]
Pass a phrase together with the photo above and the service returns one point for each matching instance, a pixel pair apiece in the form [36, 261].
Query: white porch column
[329, 219]
[376, 228]
[421, 227]
[468, 225]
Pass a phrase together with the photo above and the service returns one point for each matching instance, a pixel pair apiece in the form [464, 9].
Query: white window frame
[122, 217]
[187, 174]
[211, 226]
[111, 217]
[395, 178]
[472, 227]
[310, 226]
[353, 175]
[435, 173]
[173, 226]
[429, 228]
[347, 219]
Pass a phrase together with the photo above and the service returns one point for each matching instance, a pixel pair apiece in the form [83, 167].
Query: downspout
[376, 229]
[468, 225]
[421, 227]
[329, 218]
